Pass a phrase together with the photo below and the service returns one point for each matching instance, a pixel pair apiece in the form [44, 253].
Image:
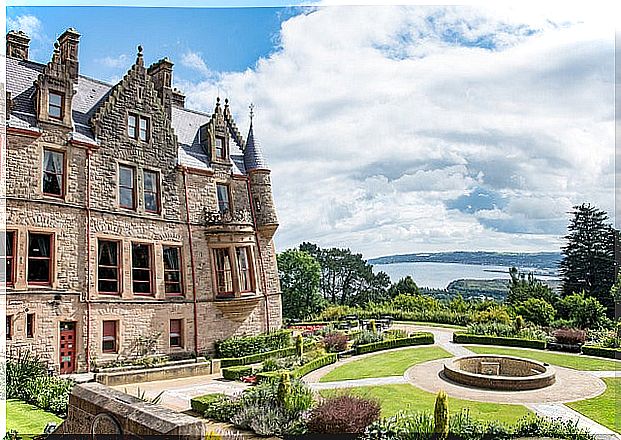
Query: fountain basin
[499, 372]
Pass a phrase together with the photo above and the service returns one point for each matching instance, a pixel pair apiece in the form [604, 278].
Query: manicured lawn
[405, 397]
[27, 419]
[576, 362]
[604, 408]
[393, 363]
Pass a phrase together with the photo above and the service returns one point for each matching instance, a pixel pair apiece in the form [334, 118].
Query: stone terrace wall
[97, 409]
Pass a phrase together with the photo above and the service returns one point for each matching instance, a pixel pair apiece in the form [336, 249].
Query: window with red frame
[108, 341]
[176, 336]
[224, 273]
[142, 268]
[40, 258]
[172, 270]
[30, 325]
[8, 255]
[108, 268]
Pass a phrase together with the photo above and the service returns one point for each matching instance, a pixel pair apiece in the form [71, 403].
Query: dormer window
[138, 127]
[55, 105]
[220, 148]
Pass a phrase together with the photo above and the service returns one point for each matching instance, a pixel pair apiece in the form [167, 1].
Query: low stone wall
[159, 373]
[97, 409]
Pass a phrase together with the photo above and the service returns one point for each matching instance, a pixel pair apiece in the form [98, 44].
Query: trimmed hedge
[594, 350]
[258, 357]
[239, 346]
[465, 338]
[301, 371]
[236, 373]
[418, 339]
[200, 403]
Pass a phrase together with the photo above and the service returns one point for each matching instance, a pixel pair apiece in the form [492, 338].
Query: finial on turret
[139, 59]
[251, 107]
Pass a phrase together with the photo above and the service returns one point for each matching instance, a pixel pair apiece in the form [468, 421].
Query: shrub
[49, 393]
[284, 388]
[493, 314]
[394, 334]
[416, 339]
[413, 303]
[314, 365]
[299, 345]
[239, 346]
[270, 364]
[367, 337]
[518, 323]
[343, 414]
[537, 311]
[464, 338]
[200, 404]
[335, 342]
[335, 313]
[569, 336]
[441, 415]
[236, 373]
[505, 330]
[259, 357]
[22, 367]
[410, 426]
[593, 350]
[583, 311]
[537, 427]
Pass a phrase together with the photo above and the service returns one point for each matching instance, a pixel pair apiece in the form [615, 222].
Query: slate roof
[253, 156]
[90, 93]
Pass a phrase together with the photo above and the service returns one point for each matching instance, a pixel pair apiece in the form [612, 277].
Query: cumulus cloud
[116, 62]
[29, 24]
[396, 129]
[193, 60]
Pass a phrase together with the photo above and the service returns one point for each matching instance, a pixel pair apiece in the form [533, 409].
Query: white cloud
[193, 60]
[375, 119]
[29, 24]
[116, 62]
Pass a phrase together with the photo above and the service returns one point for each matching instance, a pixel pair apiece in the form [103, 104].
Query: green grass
[27, 419]
[576, 362]
[382, 364]
[405, 397]
[604, 408]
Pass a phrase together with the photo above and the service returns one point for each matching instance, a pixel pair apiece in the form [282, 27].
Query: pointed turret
[253, 155]
[260, 183]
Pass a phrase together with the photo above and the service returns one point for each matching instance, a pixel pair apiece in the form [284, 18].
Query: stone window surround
[9, 326]
[117, 336]
[139, 206]
[229, 195]
[237, 293]
[125, 268]
[65, 153]
[31, 325]
[158, 190]
[20, 258]
[179, 248]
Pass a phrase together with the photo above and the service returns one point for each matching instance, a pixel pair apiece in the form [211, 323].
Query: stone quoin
[134, 225]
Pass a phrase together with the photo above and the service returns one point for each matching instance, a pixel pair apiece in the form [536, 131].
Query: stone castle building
[132, 221]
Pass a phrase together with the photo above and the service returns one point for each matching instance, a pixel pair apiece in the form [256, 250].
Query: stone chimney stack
[69, 41]
[161, 74]
[17, 43]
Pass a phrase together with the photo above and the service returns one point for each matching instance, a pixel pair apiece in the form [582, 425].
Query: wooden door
[67, 347]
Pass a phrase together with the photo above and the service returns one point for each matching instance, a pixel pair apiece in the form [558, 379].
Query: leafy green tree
[589, 255]
[537, 311]
[584, 311]
[405, 286]
[415, 303]
[346, 278]
[523, 287]
[299, 280]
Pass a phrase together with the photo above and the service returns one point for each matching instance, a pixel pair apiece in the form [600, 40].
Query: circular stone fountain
[498, 372]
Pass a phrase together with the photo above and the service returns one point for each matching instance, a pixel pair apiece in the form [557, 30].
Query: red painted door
[67, 347]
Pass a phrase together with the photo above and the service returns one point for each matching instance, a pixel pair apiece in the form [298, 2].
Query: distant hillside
[544, 261]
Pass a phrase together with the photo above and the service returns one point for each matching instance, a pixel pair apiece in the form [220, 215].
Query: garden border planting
[237, 372]
[594, 350]
[465, 338]
[422, 338]
[302, 370]
[200, 403]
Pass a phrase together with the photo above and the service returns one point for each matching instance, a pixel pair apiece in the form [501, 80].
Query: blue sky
[390, 129]
[227, 39]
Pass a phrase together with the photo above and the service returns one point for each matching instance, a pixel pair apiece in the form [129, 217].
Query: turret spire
[253, 155]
